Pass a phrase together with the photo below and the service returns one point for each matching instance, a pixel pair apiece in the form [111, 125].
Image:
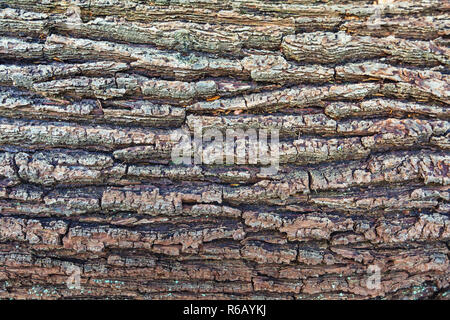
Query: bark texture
[91, 91]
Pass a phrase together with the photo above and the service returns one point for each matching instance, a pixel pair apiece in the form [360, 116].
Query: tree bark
[93, 206]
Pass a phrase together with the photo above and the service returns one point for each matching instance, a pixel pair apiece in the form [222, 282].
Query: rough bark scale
[91, 91]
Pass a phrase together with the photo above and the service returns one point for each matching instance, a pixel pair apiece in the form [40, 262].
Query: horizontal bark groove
[93, 94]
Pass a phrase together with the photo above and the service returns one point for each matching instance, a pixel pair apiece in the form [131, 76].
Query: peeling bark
[92, 94]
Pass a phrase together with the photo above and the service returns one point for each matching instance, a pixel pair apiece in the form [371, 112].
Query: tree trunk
[94, 205]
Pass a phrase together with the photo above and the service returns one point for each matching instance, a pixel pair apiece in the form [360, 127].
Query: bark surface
[91, 92]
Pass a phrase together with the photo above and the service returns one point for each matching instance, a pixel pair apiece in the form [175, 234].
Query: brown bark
[91, 94]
